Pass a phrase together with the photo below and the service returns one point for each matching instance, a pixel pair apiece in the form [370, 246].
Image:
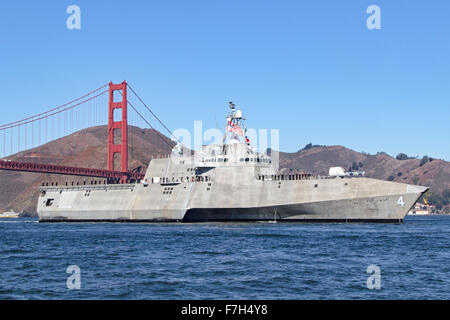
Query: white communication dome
[336, 171]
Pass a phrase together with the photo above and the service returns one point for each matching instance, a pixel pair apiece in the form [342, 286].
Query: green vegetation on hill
[425, 159]
[310, 145]
[355, 166]
[403, 156]
[439, 199]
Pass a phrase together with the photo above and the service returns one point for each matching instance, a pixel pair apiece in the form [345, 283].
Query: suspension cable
[48, 111]
[143, 118]
[153, 113]
[160, 134]
[16, 124]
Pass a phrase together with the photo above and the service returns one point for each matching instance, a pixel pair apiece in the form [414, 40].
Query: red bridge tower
[113, 126]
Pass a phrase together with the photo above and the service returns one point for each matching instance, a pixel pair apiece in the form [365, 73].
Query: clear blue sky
[310, 68]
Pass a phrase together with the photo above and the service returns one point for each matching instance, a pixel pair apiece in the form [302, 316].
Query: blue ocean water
[225, 260]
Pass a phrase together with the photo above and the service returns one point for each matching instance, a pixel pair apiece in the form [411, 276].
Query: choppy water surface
[225, 260]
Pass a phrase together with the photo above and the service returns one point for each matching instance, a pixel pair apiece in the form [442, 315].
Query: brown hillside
[435, 173]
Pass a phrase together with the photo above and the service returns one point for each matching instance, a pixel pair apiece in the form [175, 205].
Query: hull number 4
[400, 201]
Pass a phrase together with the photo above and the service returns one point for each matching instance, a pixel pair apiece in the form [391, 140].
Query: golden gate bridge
[116, 105]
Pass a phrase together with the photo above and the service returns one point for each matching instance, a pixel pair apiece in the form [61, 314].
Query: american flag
[231, 127]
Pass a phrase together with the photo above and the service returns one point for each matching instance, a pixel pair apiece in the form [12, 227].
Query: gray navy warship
[230, 181]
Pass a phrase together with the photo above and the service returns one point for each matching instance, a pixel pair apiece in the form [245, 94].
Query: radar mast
[235, 124]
